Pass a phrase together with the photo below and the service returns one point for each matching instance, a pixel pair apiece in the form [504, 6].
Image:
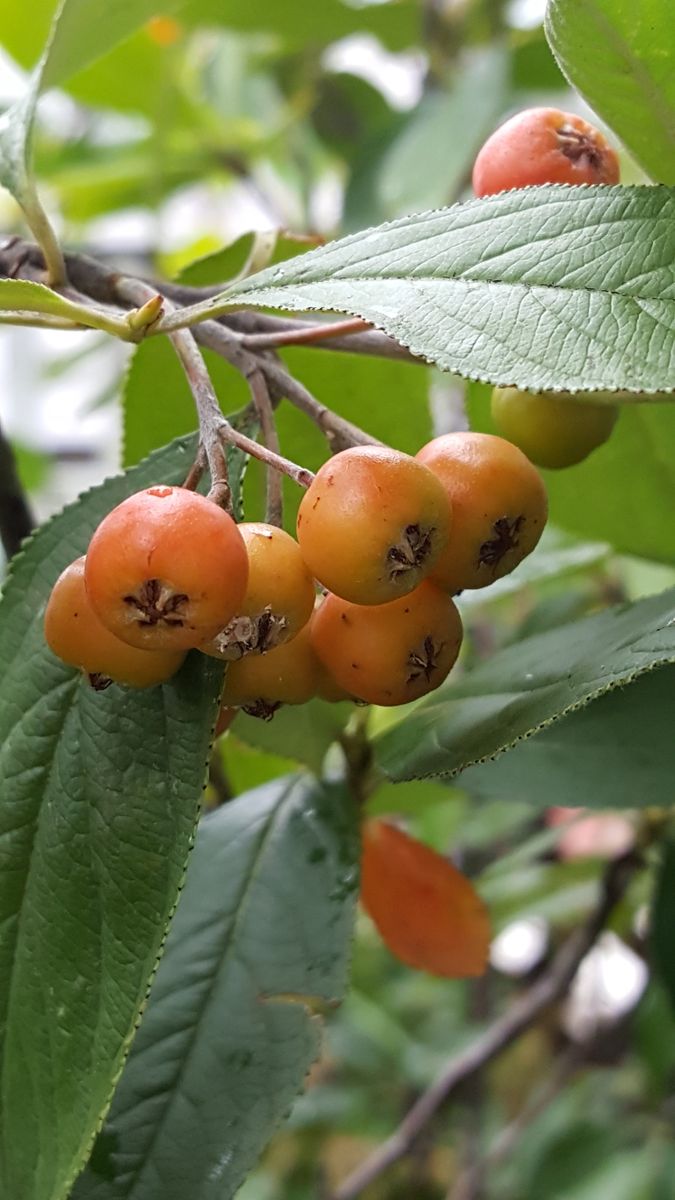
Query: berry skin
[543, 145]
[74, 633]
[499, 507]
[392, 653]
[550, 428]
[279, 596]
[260, 683]
[372, 524]
[166, 569]
[426, 911]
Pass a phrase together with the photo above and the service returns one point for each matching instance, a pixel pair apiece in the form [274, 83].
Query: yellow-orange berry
[372, 524]
[499, 507]
[392, 653]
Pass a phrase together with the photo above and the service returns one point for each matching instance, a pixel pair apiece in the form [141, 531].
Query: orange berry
[425, 910]
[499, 507]
[74, 633]
[166, 569]
[279, 596]
[392, 653]
[260, 683]
[543, 145]
[372, 524]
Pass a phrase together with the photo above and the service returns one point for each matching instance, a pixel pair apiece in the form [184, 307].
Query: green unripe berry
[554, 429]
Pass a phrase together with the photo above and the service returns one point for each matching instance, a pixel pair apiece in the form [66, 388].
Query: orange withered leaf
[427, 912]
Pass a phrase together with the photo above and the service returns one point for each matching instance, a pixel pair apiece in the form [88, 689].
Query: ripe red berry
[543, 145]
[166, 569]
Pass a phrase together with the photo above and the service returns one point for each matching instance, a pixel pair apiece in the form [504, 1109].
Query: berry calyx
[261, 683]
[75, 634]
[166, 569]
[499, 507]
[553, 429]
[540, 146]
[392, 653]
[372, 524]
[279, 596]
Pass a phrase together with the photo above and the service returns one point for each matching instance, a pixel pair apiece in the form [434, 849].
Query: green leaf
[22, 296]
[84, 30]
[302, 732]
[617, 752]
[259, 944]
[367, 391]
[81, 31]
[554, 287]
[409, 174]
[157, 402]
[526, 687]
[297, 23]
[631, 480]
[100, 792]
[663, 918]
[619, 55]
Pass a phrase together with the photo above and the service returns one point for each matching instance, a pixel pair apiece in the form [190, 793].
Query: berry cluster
[388, 538]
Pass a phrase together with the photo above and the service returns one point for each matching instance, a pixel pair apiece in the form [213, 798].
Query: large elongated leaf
[619, 55]
[527, 686]
[259, 943]
[547, 287]
[615, 752]
[99, 794]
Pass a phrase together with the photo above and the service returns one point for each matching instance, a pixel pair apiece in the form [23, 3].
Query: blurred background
[320, 120]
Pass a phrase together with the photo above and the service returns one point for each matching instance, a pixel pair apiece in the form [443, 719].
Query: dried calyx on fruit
[279, 596]
[74, 632]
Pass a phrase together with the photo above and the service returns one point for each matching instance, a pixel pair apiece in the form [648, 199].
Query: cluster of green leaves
[99, 793]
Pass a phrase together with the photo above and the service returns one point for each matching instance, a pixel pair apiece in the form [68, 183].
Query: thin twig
[97, 280]
[469, 1184]
[263, 405]
[322, 332]
[523, 1013]
[16, 518]
[214, 428]
[338, 432]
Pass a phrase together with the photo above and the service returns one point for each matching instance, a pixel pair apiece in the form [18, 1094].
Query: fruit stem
[215, 430]
[339, 433]
[320, 332]
[262, 402]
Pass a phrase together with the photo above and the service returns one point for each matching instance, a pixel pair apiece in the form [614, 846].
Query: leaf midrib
[240, 908]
